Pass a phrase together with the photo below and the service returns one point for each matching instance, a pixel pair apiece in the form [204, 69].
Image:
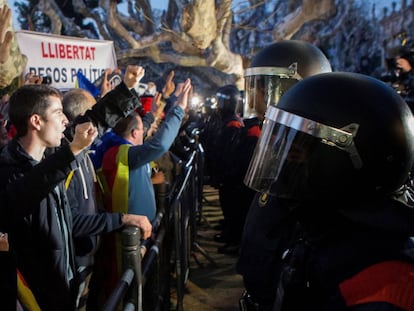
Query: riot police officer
[227, 173]
[267, 229]
[337, 150]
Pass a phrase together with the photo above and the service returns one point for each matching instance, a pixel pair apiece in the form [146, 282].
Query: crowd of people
[44, 175]
[51, 217]
[313, 170]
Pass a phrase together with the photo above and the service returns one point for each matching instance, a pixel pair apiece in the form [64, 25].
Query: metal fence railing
[151, 268]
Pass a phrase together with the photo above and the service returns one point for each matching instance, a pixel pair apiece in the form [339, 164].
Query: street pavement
[213, 283]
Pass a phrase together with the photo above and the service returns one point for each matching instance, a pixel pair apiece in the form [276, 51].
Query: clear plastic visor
[285, 150]
[263, 87]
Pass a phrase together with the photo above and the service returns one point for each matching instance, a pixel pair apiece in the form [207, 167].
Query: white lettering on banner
[61, 57]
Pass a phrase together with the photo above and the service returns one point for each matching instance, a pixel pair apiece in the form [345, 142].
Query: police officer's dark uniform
[272, 72]
[338, 149]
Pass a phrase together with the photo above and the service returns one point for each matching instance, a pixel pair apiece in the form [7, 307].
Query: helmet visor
[263, 87]
[285, 153]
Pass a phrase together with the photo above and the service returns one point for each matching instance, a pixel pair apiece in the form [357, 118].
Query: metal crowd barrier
[153, 267]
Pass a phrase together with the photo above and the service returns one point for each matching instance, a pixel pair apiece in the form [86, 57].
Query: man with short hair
[80, 185]
[35, 207]
[126, 167]
[128, 137]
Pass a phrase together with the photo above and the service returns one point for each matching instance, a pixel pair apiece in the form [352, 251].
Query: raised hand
[185, 90]
[106, 85]
[85, 134]
[4, 242]
[6, 37]
[31, 78]
[157, 106]
[169, 85]
[133, 75]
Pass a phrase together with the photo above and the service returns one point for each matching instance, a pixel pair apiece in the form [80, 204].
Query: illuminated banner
[61, 57]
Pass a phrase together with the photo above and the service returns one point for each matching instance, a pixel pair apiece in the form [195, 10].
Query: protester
[76, 103]
[128, 133]
[40, 224]
[81, 191]
[126, 174]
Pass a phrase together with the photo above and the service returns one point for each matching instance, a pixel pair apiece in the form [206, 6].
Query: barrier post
[131, 259]
[119, 291]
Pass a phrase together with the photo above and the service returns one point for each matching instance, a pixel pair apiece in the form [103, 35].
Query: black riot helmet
[334, 136]
[275, 69]
[228, 99]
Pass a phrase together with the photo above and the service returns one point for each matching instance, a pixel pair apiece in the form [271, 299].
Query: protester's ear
[34, 121]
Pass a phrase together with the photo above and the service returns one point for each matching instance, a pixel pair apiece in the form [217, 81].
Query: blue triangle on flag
[84, 83]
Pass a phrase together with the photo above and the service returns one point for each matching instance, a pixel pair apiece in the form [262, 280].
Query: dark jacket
[35, 199]
[8, 281]
[36, 213]
[81, 193]
[34, 232]
[311, 257]
[227, 151]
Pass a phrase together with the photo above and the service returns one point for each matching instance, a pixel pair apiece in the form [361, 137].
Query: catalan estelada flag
[25, 295]
[82, 82]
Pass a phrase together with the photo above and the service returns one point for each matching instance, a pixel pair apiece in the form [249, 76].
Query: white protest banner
[61, 57]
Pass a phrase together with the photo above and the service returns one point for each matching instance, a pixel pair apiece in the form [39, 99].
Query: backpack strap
[388, 281]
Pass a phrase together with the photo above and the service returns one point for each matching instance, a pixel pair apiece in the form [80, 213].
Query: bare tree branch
[310, 10]
[51, 9]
